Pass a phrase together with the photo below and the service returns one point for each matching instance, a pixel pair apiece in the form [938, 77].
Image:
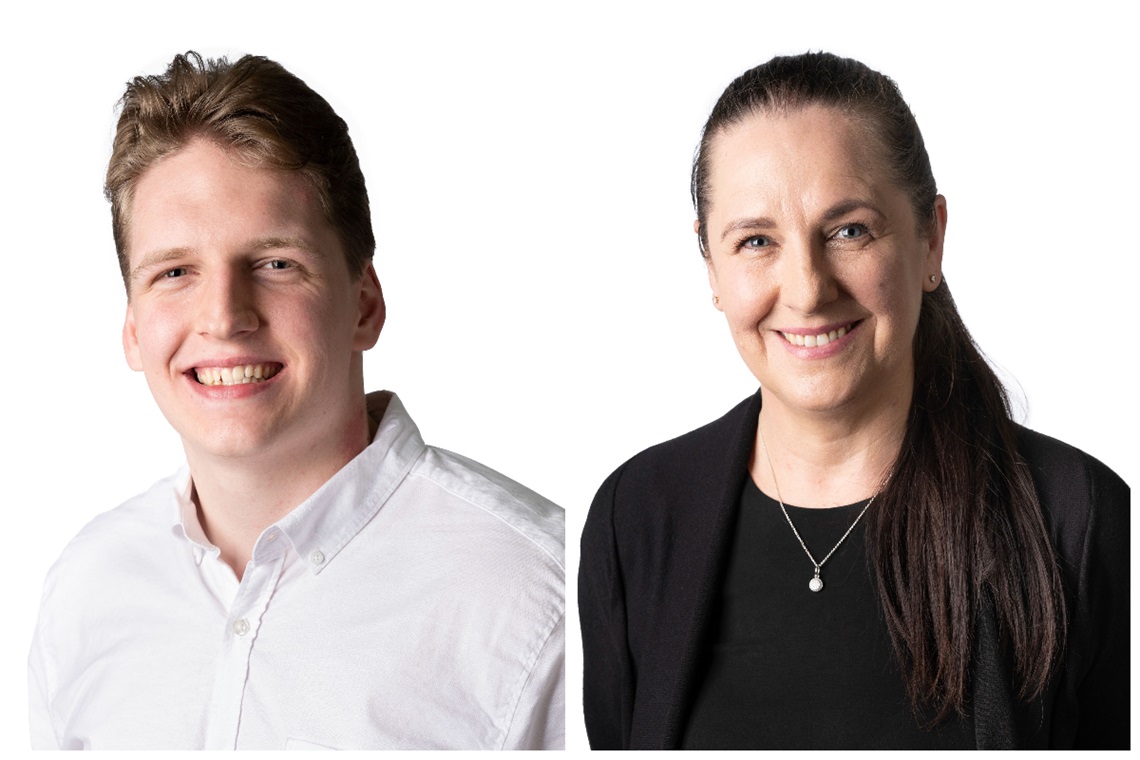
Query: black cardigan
[654, 550]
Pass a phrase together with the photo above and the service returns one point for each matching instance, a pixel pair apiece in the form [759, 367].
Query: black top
[786, 668]
[656, 544]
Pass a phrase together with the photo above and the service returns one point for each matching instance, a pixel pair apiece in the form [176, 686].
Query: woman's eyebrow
[837, 211]
[845, 207]
[748, 223]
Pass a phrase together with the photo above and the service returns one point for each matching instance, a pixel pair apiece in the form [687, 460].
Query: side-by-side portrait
[496, 377]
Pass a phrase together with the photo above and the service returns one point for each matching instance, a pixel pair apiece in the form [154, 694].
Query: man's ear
[131, 341]
[370, 311]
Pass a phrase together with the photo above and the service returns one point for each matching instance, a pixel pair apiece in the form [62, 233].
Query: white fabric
[416, 600]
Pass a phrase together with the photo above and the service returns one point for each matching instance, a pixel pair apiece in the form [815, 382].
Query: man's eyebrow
[163, 255]
[282, 241]
[154, 258]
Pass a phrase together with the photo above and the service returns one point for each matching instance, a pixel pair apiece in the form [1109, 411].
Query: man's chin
[237, 443]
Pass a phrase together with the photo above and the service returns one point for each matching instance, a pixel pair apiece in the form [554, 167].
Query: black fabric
[993, 692]
[654, 552]
[786, 668]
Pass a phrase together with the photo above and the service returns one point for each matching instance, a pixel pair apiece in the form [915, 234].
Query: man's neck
[238, 498]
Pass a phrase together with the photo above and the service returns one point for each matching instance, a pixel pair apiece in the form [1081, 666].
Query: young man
[317, 577]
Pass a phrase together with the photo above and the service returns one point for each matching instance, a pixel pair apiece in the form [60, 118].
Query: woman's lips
[814, 337]
[812, 343]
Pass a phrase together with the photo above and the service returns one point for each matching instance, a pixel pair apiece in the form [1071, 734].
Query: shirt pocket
[294, 743]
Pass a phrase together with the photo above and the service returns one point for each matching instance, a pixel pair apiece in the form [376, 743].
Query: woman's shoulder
[702, 450]
[687, 479]
[1078, 492]
[666, 510]
[1066, 469]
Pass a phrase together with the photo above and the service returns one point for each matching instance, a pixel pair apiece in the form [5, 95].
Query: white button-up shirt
[416, 600]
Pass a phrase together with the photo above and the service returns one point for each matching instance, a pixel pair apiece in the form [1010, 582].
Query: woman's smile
[818, 342]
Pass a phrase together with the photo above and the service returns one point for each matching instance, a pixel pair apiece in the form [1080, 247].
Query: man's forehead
[200, 195]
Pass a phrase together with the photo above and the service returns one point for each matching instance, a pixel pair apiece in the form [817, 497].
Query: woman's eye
[756, 241]
[851, 232]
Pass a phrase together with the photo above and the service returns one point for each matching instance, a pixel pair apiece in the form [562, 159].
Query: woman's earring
[934, 278]
[716, 300]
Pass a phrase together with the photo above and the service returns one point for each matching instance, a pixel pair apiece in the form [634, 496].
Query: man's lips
[235, 373]
[811, 337]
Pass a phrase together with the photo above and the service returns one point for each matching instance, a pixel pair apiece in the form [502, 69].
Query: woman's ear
[709, 267]
[934, 240]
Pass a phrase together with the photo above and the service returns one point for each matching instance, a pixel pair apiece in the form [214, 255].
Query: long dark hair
[958, 525]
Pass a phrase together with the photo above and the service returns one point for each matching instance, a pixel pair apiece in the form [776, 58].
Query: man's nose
[226, 305]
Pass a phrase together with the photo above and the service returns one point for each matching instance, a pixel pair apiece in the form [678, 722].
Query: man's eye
[175, 272]
[851, 232]
[277, 264]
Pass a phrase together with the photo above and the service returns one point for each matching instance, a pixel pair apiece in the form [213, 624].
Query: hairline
[783, 106]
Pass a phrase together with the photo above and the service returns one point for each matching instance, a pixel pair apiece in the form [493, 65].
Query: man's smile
[237, 375]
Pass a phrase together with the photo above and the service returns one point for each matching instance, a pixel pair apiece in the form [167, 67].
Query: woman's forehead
[811, 151]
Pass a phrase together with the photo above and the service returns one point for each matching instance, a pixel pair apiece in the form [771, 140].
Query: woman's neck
[825, 459]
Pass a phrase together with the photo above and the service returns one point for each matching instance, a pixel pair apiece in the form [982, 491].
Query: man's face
[242, 312]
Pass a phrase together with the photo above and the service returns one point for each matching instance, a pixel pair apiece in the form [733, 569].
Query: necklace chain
[816, 583]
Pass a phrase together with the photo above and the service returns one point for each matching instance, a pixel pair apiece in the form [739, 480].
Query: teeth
[240, 375]
[812, 341]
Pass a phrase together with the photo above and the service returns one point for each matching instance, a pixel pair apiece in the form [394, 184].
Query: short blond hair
[255, 108]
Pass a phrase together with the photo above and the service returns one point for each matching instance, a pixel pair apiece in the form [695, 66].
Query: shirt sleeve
[39, 709]
[540, 719]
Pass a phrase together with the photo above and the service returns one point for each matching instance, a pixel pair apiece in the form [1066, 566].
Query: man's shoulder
[539, 522]
[120, 535]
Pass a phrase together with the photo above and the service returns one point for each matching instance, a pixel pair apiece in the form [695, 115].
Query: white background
[528, 168]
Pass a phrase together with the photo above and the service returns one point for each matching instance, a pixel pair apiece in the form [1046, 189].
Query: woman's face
[818, 261]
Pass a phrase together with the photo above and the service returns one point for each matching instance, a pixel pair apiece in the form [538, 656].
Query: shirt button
[317, 557]
[241, 627]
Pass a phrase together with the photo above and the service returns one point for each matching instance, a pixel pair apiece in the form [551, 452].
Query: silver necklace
[816, 583]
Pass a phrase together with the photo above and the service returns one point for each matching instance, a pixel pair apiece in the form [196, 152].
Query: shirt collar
[185, 517]
[322, 525]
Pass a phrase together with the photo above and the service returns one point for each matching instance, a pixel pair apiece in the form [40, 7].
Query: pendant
[816, 583]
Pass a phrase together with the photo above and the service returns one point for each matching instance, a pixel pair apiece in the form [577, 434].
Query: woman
[868, 552]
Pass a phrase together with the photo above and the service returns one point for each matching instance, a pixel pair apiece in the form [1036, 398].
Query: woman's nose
[806, 279]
